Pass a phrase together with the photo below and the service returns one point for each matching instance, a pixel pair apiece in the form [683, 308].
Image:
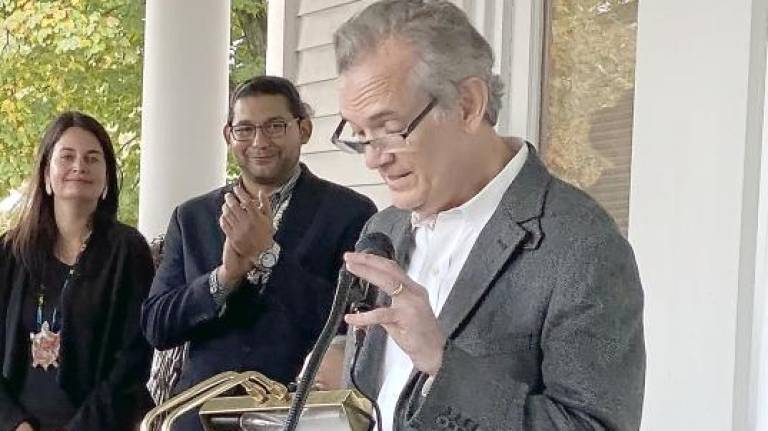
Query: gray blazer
[544, 323]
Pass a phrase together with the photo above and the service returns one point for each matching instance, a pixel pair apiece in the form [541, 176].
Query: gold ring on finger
[398, 290]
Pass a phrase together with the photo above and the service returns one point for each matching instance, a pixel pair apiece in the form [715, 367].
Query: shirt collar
[418, 221]
[282, 192]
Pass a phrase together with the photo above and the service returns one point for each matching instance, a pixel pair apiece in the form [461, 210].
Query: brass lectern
[263, 408]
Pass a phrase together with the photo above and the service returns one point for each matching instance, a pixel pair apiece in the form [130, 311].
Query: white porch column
[693, 206]
[183, 153]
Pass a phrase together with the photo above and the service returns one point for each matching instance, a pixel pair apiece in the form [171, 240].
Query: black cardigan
[104, 360]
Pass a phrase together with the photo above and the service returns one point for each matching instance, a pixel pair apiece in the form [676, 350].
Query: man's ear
[226, 132]
[473, 102]
[305, 130]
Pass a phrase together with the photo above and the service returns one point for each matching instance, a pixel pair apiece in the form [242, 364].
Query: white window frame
[515, 30]
[753, 387]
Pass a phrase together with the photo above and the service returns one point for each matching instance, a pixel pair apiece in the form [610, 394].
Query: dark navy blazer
[271, 332]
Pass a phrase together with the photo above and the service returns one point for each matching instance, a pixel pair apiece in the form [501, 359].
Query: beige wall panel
[323, 128]
[379, 194]
[341, 168]
[310, 6]
[322, 96]
[317, 28]
[316, 64]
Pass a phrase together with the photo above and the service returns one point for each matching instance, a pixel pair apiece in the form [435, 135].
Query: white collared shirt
[443, 243]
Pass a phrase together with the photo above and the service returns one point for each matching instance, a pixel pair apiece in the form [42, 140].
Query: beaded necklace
[46, 342]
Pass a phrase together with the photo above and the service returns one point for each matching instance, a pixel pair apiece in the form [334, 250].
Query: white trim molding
[282, 36]
[693, 206]
[751, 378]
[524, 95]
[515, 30]
[274, 63]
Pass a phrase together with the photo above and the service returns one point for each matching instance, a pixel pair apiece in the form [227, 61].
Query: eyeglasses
[270, 129]
[344, 137]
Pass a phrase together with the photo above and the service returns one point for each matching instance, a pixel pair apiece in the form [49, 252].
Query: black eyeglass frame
[287, 123]
[358, 147]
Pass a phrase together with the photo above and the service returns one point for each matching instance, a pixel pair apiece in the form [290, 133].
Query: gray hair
[450, 49]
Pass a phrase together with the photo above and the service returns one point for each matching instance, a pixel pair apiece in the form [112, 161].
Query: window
[588, 97]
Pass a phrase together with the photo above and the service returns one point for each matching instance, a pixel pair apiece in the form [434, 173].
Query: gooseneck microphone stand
[349, 290]
[340, 301]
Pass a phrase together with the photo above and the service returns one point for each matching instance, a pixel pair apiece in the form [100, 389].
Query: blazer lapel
[403, 241]
[513, 226]
[499, 241]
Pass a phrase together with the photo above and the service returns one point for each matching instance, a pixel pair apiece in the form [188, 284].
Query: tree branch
[254, 30]
[7, 41]
[125, 146]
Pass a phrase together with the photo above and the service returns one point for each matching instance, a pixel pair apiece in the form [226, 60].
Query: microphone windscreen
[376, 243]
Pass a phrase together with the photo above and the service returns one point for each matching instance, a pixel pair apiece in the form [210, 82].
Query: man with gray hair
[512, 301]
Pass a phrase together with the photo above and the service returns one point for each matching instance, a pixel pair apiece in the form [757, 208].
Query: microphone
[362, 295]
[349, 290]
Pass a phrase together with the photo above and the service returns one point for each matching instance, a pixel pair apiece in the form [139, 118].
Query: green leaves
[86, 55]
[248, 45]
[68, 55]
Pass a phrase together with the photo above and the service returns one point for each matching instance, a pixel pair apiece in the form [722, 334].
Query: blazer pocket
[507, 343]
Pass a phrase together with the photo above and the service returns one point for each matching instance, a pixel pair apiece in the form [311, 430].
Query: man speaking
[513, 302]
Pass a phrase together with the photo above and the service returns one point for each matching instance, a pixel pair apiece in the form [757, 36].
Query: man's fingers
[241, 194]
[247, 202]
[231, 218]
[232, 206]
[378, 316]
[265, 203]
[382, 272]
[231, 200]
[226, 226]
[374, 262]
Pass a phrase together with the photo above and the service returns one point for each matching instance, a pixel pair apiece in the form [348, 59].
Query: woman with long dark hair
[72, 279]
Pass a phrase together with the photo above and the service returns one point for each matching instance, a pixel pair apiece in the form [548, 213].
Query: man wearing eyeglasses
[513, 302]
[249, 270]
